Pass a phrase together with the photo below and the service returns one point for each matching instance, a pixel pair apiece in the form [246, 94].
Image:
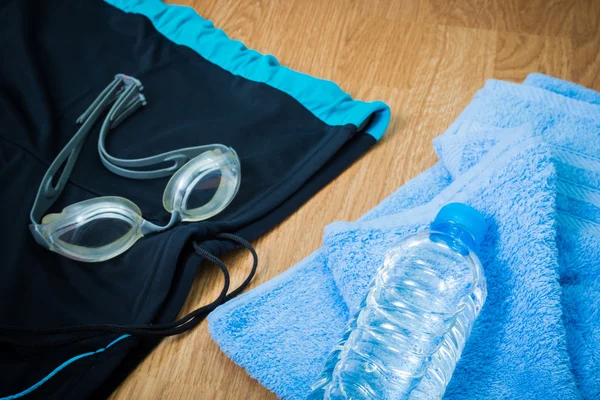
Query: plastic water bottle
[408, 334]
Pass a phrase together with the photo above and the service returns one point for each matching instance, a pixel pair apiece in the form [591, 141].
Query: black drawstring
[181, 325]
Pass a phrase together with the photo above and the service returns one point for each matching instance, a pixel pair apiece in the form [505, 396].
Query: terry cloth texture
[60, 55]
[572, 129]
[538, 334]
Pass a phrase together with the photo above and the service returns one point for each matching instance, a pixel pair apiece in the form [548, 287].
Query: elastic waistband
[326, 100]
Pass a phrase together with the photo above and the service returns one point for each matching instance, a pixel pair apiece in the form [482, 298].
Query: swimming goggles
[205, 179]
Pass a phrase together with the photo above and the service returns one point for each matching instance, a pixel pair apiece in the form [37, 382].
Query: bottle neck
[456, 232]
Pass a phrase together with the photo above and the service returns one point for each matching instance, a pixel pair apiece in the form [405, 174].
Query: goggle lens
[204, 186]
[94, 233]
[203, 190]
[93, 230]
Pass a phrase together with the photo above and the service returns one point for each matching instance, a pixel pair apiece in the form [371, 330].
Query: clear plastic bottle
[408, 334]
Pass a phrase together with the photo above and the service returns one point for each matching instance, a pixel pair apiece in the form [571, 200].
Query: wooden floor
[426, 59]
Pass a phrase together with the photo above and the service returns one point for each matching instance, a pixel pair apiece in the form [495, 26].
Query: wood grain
[426, 59]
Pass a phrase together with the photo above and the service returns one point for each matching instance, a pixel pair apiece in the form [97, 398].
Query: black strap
[92, 330]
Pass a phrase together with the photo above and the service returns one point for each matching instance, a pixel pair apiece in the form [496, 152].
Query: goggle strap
[101, 97]
[47, 192]
[128, 102]
[131, 168]
[124, 99]
[132, 107]
[122, 167]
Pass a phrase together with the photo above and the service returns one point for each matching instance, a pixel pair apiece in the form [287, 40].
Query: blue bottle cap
[465, 216]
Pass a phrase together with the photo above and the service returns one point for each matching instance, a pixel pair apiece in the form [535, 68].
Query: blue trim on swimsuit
[326, 100]
[61, 367]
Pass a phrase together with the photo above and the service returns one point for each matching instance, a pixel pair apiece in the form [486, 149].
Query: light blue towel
[519, 336]
[281, 331]
[572, 128]
[565, 88]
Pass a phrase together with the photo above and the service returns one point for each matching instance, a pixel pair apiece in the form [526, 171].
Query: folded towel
[519, 336]
[566, 88]
[510, 167]
[281, 331]
[572, 128]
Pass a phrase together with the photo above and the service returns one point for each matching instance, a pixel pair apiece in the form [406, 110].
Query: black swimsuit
[56, 57]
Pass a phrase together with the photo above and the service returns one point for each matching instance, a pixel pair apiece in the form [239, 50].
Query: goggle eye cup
[204, 186]
[92, 231]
